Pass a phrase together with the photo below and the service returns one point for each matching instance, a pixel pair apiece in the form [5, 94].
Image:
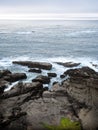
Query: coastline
[26, 105]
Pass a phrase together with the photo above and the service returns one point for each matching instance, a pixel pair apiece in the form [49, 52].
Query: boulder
[52, 74]
[15, 77]
[30, 64]
[68, 64]
[35, 70]
[42, 79]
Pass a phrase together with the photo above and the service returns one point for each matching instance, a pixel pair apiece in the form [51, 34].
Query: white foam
[7, 62]
[58, 69]
[23, 32]
[77, 33]
[10, 86]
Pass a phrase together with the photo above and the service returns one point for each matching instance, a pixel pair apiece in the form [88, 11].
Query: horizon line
[50, 16]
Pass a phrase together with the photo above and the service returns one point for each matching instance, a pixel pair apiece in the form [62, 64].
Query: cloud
[49, 6]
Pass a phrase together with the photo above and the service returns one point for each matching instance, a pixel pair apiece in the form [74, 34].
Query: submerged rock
[35, 70]
[30, 64]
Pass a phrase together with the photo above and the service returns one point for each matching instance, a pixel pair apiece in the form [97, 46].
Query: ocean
[50, 41]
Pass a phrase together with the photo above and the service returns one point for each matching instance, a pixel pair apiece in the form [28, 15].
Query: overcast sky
[48, 6]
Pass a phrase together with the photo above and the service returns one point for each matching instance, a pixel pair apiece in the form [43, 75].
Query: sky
[48, 9]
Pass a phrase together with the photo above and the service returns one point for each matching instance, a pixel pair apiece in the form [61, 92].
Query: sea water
[50, 41]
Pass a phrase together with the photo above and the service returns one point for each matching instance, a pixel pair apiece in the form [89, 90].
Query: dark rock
[42, 79]
[83, 85]
[52, 74]
[30, 64]
[35, 70]
[3, 84]
[15, 77]
[4, 73]
[68, 64]
[84, 72]
[62, 76]
[95, 65]
[55, 83]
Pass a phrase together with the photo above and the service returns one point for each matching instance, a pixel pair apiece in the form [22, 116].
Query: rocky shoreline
[26, 106]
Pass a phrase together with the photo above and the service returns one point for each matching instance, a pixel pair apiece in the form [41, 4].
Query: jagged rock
[22, 88]
[35, 70]
[82, 72]
[83, 85]
[52, 74]
[68, 64]
[30, 64]
[42, 79]
[15, 77]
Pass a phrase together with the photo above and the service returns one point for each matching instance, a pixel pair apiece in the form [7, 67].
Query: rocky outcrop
[68, 64]
[15, 77]
[28, 105]
[29, 109]
[22, 88]
[7, 77]
[82, 85]
[30, 64]
[42, 79]
[35, 70]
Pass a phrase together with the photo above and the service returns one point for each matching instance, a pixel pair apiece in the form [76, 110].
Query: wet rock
[52, 74]
[42, 79]
[62, 76]
[84, 72]
[4, 73]
[15, 77]
[35, 70]
[30, 64]
[95, 65]
[68, 64]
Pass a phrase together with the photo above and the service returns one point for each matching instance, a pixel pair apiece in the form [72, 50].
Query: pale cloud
[48, 9]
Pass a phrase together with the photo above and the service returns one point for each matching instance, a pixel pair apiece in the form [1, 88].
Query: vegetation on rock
[65, 124]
